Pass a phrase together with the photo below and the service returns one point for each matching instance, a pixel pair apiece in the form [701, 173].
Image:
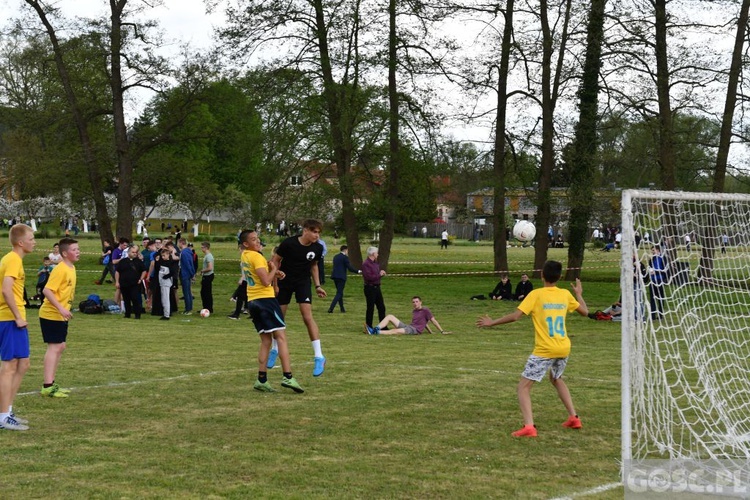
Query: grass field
[166, 409]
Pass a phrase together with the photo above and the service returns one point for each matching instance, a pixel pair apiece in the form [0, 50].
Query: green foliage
[166, 409]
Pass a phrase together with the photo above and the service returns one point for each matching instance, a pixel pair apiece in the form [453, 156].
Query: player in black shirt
[297, 257]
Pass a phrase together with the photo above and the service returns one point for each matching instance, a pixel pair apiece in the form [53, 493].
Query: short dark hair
[206, 244]
[244, 234]
[123, 240]
[65, 244]
[313, 224]
[552, 271]
[343, 247]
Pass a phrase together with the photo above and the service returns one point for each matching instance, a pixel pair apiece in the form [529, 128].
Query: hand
[484, 321]
[22, 323]
[66, 314]
[382, 273]
[577, 287]
[280, 275]
[320, 292]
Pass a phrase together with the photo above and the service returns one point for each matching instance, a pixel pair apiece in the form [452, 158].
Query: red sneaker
[525, 431]
[573, 422]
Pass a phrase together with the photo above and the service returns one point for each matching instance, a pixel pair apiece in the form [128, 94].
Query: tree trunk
[725, 136]
[498, 159]
[104, 223]
[710, 236]
[584, 155]
[666, 124]
[394, 156]
[122, 144]
[342, 154]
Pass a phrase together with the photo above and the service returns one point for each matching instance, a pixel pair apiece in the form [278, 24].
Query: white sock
[274, 345]
[316, 348]
[3, 416]
[10, 409]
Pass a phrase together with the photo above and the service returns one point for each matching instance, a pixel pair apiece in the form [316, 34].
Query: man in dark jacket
[341, 265]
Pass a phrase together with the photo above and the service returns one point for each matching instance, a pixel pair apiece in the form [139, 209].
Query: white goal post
[685, 343]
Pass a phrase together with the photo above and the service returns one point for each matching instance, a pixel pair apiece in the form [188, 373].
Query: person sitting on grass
[420, 318]
[548, 308]
[523, 287]
[503, 290]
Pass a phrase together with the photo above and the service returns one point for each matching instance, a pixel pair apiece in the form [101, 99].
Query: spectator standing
[339, 275]
[187, 273]
[207, 277]
[130, 273]
[444, 240]
[371, 273]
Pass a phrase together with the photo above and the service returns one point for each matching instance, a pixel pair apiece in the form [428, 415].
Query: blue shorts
[14, 341]
[266, 315]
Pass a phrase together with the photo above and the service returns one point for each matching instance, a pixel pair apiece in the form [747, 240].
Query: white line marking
[593, 491]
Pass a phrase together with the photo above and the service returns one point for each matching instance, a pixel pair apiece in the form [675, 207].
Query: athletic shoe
[272, 355]
[367, 329]
[12, 424]
[525, 431]
[187, 313]
[264, 387]
[232, 299]
[164, 318]
[291, 383]
[52, 391]
[232, 316]
[61, 389]
[19, 419]
[320, 365]
[573, 422]
[97, 282]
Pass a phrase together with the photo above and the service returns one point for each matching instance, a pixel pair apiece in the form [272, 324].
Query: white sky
[182, 20]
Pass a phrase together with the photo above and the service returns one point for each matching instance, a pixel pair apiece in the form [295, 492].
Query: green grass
[167, 410]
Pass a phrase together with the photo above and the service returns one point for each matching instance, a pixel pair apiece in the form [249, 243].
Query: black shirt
[130, 271]
[296, 260]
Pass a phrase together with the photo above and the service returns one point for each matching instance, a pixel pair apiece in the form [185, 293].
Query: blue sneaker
[368, 330]
[272, 358]
[320, 365]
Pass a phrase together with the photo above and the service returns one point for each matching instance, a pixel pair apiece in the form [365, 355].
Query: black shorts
[54, 332]
[302, 292]
[266, 315]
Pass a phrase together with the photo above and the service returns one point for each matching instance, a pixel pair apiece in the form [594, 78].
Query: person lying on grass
[420, 321]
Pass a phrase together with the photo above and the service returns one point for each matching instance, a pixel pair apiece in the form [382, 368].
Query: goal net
[685, 285]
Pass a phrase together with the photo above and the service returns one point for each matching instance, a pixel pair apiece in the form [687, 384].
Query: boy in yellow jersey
[265, 311]
[55, 314]
[14, 335]
[548, 308]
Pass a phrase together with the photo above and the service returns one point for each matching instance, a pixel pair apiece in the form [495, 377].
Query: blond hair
[18, 232]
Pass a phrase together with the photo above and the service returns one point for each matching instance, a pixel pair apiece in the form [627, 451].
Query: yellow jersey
[251, 261]
[12, 266]
[62, 283]
[548, 308]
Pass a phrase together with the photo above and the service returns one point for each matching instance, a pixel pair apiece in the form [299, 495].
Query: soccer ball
[205, 313]
[524, 231]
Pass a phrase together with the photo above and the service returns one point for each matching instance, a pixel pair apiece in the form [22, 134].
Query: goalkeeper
[548, 308]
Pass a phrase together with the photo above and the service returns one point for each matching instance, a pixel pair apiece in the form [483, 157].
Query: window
[295, 180]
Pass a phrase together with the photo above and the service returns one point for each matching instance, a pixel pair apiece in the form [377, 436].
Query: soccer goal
[685, 286]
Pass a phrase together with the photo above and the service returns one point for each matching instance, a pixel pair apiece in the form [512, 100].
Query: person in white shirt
[444, 239]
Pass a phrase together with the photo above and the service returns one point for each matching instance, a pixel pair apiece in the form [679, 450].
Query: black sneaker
[232, 316]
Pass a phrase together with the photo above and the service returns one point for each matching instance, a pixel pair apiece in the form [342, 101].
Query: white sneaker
[19, 419]
[12, 424]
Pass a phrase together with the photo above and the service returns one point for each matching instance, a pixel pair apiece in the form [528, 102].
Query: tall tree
[81, 123]
[551, 80]
[327, 36]
[581, 191]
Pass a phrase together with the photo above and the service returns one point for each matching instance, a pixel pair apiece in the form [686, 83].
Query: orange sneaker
[525, 431]
[573, 422]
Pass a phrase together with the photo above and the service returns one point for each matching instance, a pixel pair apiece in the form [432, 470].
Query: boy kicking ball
[548, 307]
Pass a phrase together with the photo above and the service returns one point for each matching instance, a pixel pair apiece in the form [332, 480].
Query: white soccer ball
[524, 231]
[205, 313]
